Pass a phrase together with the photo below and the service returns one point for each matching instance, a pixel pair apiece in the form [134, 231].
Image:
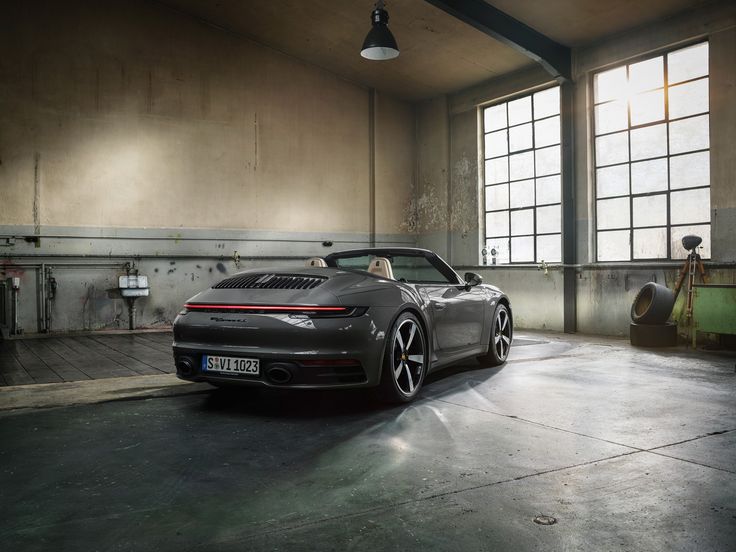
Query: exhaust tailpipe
[279, 374]
[185, 366]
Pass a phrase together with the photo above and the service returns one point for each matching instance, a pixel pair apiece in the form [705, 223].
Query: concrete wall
[132, 132]
[604, 292]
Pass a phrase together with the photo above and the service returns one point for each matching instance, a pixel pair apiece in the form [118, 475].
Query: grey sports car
[380, 318]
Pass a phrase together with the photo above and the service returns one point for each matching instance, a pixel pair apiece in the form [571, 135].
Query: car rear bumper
[293, 351]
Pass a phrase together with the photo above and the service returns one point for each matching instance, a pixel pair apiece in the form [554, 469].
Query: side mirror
[472, 279]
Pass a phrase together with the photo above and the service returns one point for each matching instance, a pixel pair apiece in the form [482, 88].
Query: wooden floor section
[67, 358]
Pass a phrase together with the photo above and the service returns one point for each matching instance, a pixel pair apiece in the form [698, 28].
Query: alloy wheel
[408, 356]
[502, 334]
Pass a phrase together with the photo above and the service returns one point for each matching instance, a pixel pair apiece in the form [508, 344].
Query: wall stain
[464, 208]
[220, 268]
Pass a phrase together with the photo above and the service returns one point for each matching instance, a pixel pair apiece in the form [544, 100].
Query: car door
[458, 315]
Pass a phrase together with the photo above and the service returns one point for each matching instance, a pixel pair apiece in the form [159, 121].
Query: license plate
[231, 365]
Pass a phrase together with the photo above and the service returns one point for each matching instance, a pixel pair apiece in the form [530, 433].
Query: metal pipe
[160, 257]
[14, 327]
[131, 312]
[599, 266]
[42, 302]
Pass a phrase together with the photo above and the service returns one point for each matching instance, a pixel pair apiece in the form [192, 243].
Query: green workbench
[714, 309]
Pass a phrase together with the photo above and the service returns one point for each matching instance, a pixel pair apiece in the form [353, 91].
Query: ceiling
[439, 54]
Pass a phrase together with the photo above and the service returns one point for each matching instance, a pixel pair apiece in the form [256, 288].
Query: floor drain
[545, 520]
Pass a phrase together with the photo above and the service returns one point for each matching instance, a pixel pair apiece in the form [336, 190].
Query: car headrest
[381, 266]
[316, 262]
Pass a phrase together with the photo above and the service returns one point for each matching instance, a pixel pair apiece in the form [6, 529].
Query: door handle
[438, 306]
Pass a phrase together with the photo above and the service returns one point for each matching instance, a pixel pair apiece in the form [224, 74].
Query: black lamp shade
[379, 43]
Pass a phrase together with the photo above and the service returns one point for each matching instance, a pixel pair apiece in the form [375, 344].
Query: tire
[502, 333]
[653, 335]
[405, 361]
[653, 304]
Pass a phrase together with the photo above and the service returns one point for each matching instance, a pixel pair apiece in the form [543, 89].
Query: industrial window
[521, 147]
[652, 159]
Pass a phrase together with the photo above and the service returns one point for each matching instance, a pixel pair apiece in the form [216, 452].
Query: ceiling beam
[553, 56]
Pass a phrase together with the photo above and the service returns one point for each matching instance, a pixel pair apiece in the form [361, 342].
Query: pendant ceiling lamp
[380, 43]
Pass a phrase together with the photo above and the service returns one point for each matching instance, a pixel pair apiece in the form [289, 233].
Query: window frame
[665, 120]
[505, 100]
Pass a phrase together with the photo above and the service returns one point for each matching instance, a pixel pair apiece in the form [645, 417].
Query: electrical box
[714, 308]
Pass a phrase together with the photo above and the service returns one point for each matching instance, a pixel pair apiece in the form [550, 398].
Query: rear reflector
[330, 362]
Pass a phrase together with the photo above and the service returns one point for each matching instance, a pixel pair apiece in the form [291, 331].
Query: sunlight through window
[652, 156]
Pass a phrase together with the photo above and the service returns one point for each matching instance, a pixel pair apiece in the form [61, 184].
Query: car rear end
[280, 329]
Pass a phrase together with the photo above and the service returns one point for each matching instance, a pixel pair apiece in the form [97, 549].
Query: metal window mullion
[508, 176]
[665, 65]
[628, 143]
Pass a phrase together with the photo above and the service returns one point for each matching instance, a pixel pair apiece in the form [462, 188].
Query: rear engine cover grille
[271, 281]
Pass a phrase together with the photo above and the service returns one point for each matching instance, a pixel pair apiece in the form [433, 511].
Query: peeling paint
[464, 211]
[425, 212]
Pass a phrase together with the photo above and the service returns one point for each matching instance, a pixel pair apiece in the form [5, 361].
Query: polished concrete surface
[628, 449]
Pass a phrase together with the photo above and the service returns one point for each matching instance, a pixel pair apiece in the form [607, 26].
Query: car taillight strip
[276, 308]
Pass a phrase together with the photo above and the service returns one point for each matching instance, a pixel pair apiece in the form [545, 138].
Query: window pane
[522, 250]
[522, 193]
[547, 102]
[520, 138]
[690, 206]
[678, 232]
[497, 170]
[612, 149]
[612, 181]
[549, 219]
[549, 248]
[647, 107]
[610, 85]
[496, 144]
[689, 98]
[497, 224]
[613, 213]
[650, 211]
[650, 243]
[691, 170]
[522, 165]
[520, 111]
[614, 246]
[522, 222]
[497, 197]
[688, 63]
[689, 134]
[549, 189]
[649, 176]
[648, 142]
[494, 117]
[548, 161]
[547, 132]
[610, 117]
[501, 248]
[646, 75]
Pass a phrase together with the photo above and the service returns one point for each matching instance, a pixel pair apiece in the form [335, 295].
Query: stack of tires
[650, 313]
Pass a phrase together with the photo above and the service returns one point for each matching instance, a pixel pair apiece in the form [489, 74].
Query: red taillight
[268, 308]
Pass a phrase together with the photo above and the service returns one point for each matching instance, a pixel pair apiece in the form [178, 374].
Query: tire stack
[650, 311]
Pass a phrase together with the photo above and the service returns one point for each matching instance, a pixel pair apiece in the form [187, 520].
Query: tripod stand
[692, 262]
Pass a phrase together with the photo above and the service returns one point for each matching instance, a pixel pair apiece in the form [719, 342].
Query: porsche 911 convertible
[381, 318]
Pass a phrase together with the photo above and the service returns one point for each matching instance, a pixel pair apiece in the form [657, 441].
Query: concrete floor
[628, 449]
